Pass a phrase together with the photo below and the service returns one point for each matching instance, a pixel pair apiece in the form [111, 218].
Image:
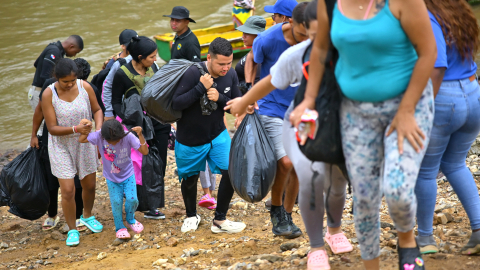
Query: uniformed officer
[185, 45]
[46, 61]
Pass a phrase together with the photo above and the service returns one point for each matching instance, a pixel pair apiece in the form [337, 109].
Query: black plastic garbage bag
[151, 194]
[208, 106]
[157, 95]
[24, 187]
[133, 116]
[253, 163]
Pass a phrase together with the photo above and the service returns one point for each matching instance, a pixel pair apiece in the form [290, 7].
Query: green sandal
[73, 238]
[92, 224]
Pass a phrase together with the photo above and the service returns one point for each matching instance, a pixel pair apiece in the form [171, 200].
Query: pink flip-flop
[122, 234]
[338, 243]
[206, 201]
[318, 260]
[137, 227]
[213, 207]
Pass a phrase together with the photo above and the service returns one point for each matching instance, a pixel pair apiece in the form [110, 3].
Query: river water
[26, 27]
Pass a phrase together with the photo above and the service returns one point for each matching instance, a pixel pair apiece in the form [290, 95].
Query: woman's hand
[84, 127]
[296, 115]
[138, 130]
[406, 126]
[34, 142]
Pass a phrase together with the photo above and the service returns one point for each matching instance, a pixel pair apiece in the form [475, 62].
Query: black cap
[180, 12]
[126, 36]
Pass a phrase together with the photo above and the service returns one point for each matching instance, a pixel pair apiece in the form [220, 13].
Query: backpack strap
[122, 61]
[130, 76]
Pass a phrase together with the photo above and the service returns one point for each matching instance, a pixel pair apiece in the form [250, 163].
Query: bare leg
[291, 191]
[372, 264]
[406, 240]
[88, 195]
[284, 166]
[67, 188]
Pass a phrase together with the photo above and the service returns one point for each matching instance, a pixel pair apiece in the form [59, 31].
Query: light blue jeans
[116, 192]
[456, 125]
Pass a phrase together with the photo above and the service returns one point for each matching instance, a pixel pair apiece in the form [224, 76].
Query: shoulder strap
[122, 61]
[130, 76]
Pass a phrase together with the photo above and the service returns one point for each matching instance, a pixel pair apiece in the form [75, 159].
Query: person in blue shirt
[457, 119]
[282, 10]
[267, 48]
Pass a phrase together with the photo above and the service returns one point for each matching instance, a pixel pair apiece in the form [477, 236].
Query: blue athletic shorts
[191, 159]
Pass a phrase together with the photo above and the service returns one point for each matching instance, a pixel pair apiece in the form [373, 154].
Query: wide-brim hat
[254, 25]
[180, 12]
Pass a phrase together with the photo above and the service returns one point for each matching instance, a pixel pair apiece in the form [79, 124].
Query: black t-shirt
[46, 61]
[240, 69]
[186, 46]
[193, 128]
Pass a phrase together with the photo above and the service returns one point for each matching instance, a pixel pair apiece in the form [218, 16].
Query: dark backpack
[98, 80]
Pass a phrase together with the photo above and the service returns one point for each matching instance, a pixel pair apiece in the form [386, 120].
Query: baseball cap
[254, 25]
[283, 7]
[126, 36]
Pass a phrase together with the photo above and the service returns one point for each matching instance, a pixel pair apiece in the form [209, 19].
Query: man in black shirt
[185, 45]
[202, 138]
[46, 61]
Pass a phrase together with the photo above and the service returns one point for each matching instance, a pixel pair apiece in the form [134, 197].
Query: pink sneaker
[206, 201]
[338, 243]
[318, 260]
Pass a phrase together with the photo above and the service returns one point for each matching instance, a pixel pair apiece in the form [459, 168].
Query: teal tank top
[376, 58]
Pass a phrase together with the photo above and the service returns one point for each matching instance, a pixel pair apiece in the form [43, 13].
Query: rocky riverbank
[23, 245]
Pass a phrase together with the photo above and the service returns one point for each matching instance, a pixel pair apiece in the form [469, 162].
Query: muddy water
[27, 26]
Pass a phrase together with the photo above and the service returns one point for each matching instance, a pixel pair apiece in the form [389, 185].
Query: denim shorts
[274, 128]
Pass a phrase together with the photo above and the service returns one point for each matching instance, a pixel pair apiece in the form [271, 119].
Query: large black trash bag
[152, 191]
[157, 95]
[24, 187]
[133, 116]
[253, 163]
[327, 144]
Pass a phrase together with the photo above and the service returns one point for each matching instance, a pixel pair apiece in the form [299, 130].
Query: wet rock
[289, 246]
[271, 258]
[3, 245]
[56, 235]
[39, 262]
[345, 259]
[172, 242]
[118, 242]
[195, 253]
[101, 256]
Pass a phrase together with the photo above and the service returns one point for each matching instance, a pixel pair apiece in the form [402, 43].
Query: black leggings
[225, 194]
[162, 132]
[53, 207]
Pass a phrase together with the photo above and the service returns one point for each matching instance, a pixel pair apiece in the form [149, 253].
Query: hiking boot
[427, 244]
[410, 258]
[296, 232]
[473, 245]
[281, 225]
[154, 214]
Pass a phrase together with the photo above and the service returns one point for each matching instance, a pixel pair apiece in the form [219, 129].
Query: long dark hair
[112, 131]
[459, 25]
[141, 46]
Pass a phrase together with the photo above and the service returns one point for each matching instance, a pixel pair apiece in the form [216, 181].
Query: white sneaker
[190, 224]
[228, 227]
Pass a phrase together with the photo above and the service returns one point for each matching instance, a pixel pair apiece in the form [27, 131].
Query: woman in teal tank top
[386, 54]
